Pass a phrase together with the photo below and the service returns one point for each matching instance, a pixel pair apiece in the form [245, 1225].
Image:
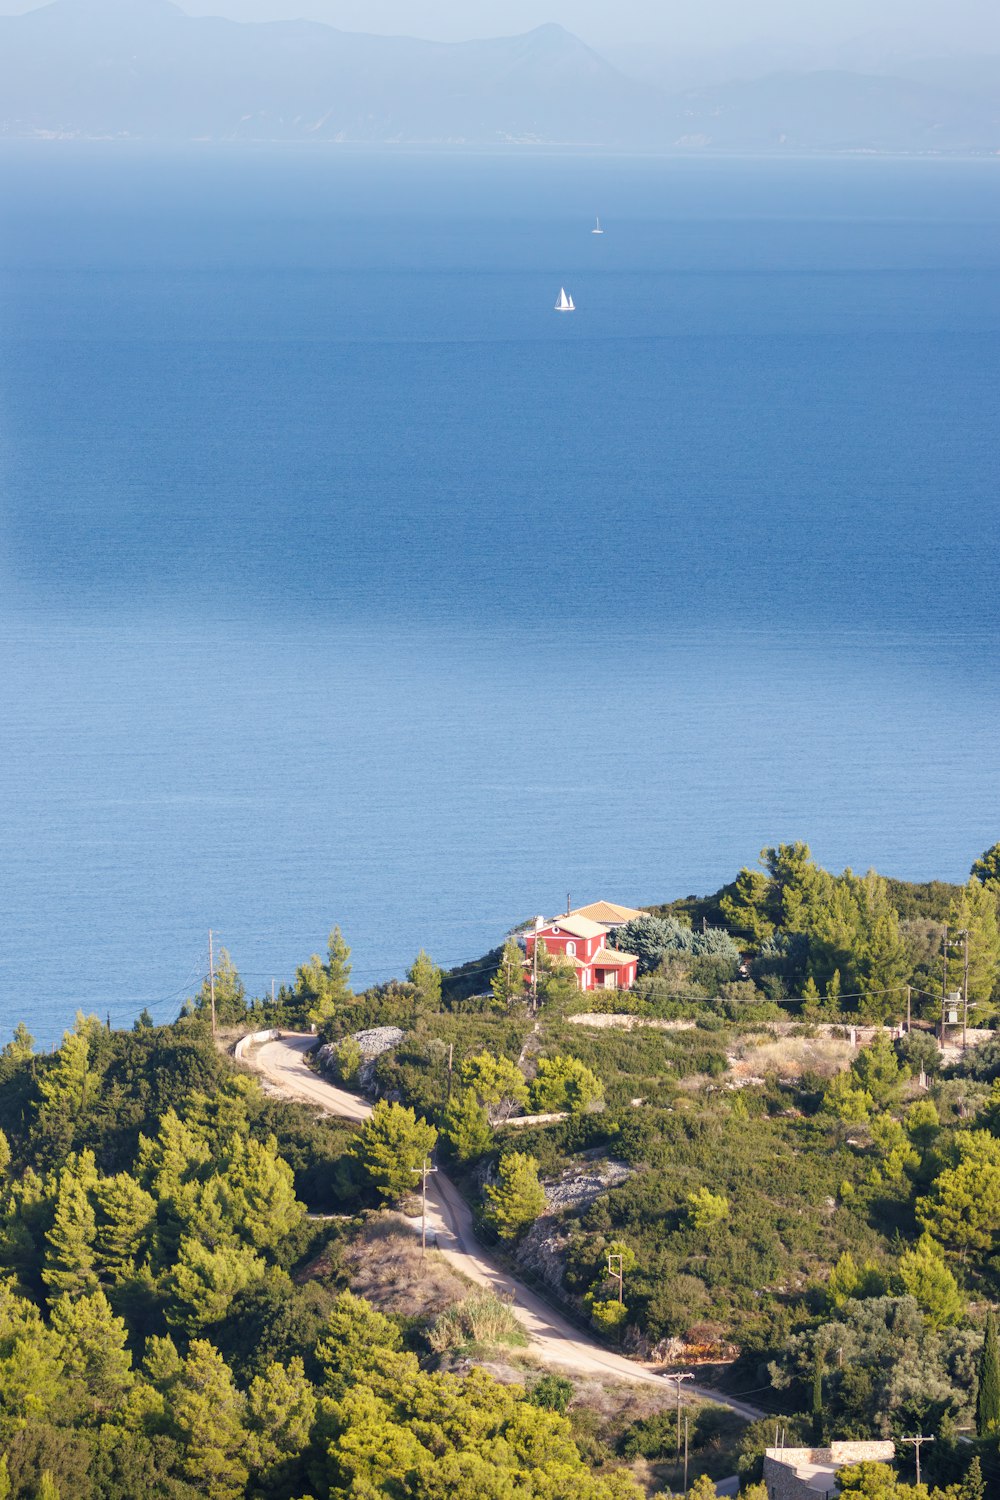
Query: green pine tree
[507, 983]
[230, 993]
[22, 1044]
[498, 1084]
[205, 1281]
[354, 1337]
[517, 1197]
[64, 1086]
[92, 1346]
[69, 1264]
[425, 976]
[987, 867]
[282, 1408]
[564, 1083]
[320, 988]
[258, 1188]
[466, 1127]
[988, 1398]
[391, 1147]
[125, 1218]
[976, 910]
[208, 1414]
[923, 1275]
[973, 1486]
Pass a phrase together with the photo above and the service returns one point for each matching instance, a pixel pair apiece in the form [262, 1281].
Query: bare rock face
[373, 1042]
[579, 1186]
[542, 1251]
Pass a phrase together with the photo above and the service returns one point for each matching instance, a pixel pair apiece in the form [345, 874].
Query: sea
[343, 580]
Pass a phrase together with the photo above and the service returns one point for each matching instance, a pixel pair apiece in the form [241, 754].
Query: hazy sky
[667, 26]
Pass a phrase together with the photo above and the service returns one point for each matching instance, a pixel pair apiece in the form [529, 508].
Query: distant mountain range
[144, 69]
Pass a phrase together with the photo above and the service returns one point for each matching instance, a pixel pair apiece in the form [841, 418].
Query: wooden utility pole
[424, 1171]
[685, 1452]
[945, 945]
[616, 1270]
[909, 994]
[534, 974]
[965, 991]
[917, 1443]
[211, 977]
[678, 1376]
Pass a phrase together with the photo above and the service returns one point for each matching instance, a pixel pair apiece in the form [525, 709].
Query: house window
[571, 948]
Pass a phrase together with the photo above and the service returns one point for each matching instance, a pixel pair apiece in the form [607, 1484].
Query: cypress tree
[988, 1398]
[817, 1397]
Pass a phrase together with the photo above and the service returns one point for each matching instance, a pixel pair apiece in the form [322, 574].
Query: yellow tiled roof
[610, 958]
[607, 913]
[577, 926]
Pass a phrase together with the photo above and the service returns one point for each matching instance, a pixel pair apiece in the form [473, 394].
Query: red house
[578, 939]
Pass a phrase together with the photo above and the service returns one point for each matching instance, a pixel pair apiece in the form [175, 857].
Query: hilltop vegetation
[161, 1331]
[176, 1312]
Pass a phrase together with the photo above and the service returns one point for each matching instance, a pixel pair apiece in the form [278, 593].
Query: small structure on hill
[811, 1473]
[584, 942]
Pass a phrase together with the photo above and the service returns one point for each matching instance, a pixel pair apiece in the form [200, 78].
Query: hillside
[202, 1291]
[144, 70]
[101, 68]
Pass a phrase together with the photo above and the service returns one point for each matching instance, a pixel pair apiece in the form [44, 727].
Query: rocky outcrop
[542, 1251]
[373, 1042]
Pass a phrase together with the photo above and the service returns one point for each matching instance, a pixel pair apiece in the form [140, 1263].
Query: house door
[610, 979]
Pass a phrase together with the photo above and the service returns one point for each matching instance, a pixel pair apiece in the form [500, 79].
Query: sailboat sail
[597, 225]
[565, 304]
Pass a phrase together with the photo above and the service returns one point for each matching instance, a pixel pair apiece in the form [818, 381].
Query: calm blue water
[344, 580]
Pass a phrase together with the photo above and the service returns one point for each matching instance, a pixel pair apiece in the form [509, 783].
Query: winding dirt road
[450, 1229]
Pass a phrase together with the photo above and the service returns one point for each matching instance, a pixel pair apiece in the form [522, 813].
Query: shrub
[552, 1393]
[346, 1060]
[564, 1084]
[479, 1319]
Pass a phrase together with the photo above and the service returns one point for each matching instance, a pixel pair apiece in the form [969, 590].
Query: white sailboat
[597, 225]
[565, 304]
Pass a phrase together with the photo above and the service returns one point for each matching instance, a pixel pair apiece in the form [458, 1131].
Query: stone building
[811, 1473]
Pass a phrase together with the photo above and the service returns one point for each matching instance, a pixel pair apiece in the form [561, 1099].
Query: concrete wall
[250, 1039]
[810, 1473]
[861, 1453]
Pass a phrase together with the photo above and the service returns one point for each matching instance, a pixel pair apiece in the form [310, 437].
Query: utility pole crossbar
[424, 1172]
[917, 1442]
[678, 1376]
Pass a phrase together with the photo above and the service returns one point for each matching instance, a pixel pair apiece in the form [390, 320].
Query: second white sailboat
[565, 304]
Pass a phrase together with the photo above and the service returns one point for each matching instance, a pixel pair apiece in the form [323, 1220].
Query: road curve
[450, 1228]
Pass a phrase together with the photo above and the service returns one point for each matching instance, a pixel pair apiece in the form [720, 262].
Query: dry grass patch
[479, 1319]
[385, 1266]
[791, 1056]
